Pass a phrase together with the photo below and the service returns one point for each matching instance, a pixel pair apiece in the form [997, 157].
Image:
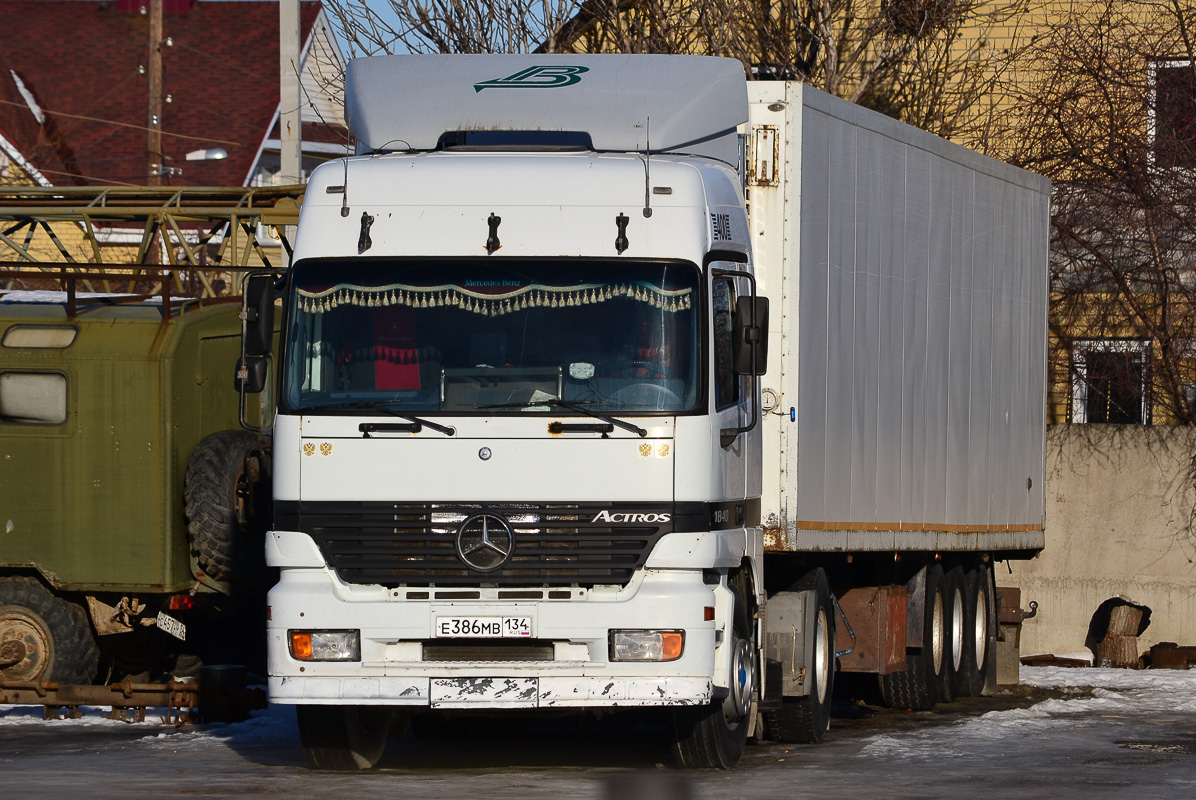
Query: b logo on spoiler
[536, 78]
[606, 516]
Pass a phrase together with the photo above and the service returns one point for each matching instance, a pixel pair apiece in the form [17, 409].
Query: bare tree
[450, 26]
[1109, 114]
[926, 62]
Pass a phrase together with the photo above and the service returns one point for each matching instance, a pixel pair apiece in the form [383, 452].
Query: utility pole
[154, 144]
[289, 117]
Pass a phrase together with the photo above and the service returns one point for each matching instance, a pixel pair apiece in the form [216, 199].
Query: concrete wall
[1120, 509]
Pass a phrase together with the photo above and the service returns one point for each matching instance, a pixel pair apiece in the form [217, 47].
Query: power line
[125, 124]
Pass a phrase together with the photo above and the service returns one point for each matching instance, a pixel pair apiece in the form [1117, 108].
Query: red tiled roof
[80, 59]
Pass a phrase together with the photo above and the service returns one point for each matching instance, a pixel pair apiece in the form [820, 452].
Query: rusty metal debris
[179, 698]
[128, 701]
[1051, 660]
[1169, 655]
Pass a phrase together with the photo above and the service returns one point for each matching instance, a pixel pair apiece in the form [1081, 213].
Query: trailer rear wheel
[219, 490]
[976, 634]
[956, 606]
[806, 719]
[43, 637]
[918, 686]
[714, 735]
[344, 738]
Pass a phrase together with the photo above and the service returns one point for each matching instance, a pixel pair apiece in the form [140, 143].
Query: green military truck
[128, 488]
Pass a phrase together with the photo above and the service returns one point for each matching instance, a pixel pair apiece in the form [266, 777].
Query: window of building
[1109, 381]
[1173, 112]
[37, 398]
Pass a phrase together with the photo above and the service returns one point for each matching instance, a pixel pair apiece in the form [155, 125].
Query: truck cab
[517, 451]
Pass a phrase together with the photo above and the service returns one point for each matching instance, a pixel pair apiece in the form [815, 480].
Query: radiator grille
[406, 544]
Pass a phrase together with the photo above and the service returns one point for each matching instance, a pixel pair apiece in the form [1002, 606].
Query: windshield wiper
[417, 423]
[578, 406]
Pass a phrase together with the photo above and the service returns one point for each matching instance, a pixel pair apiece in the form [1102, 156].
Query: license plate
[483, 627]
[172, 626]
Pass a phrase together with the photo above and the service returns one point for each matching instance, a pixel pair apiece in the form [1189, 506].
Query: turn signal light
[301, 646]
[325, 645]
[672, 645]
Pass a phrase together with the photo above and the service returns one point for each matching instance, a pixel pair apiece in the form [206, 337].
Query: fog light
[325, 645]
[646, 645]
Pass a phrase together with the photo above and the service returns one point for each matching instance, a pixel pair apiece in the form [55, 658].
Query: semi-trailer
[621, 381]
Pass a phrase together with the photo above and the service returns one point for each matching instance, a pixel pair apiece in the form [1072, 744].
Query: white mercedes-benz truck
[619, 381]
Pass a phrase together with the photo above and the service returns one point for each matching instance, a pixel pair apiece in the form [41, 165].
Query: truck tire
[714, 735]
[214, 493]
[805, 720]
[956, 606]
[43, 637]
[918, 686]
[344, 738]
[977, 634]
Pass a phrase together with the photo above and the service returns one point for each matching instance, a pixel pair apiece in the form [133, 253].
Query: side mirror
[251, 374]
[751, 335]
[257, 323]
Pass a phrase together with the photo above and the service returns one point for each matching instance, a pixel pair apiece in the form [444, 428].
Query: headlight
[325, 645]
[646, 645]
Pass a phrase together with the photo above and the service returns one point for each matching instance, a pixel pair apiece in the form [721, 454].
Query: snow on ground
[273, 724]
[1114, 693]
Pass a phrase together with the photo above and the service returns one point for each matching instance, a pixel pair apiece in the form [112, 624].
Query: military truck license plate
[483, 627]
[172, 626]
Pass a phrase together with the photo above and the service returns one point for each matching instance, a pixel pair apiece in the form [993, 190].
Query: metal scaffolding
[181, 235]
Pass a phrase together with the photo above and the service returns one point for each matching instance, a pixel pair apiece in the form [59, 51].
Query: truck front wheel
[344, 738]
[43, 637]
[714, 735]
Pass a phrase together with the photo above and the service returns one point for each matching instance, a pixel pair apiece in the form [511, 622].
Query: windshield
[500, 337]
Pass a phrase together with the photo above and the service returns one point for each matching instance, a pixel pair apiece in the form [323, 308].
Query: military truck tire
[805, 720]
[344, 738]
[50, 635]
[210, 493]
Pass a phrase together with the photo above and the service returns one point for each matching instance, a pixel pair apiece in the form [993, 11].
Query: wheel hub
[26, 649]
[11, 653]
[743, 681]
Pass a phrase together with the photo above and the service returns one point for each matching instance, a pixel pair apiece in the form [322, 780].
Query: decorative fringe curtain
[491, 305]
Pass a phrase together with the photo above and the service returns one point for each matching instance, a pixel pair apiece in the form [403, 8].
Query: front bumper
[397, 633]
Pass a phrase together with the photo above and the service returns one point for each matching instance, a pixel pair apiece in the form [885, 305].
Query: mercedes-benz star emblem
[485, 542]
[484, 454]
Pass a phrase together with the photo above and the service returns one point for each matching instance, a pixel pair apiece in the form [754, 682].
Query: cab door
[730, 399]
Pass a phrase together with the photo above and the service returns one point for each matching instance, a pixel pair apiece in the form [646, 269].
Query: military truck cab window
[33, 398]
[47, 337]
[463, 337]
